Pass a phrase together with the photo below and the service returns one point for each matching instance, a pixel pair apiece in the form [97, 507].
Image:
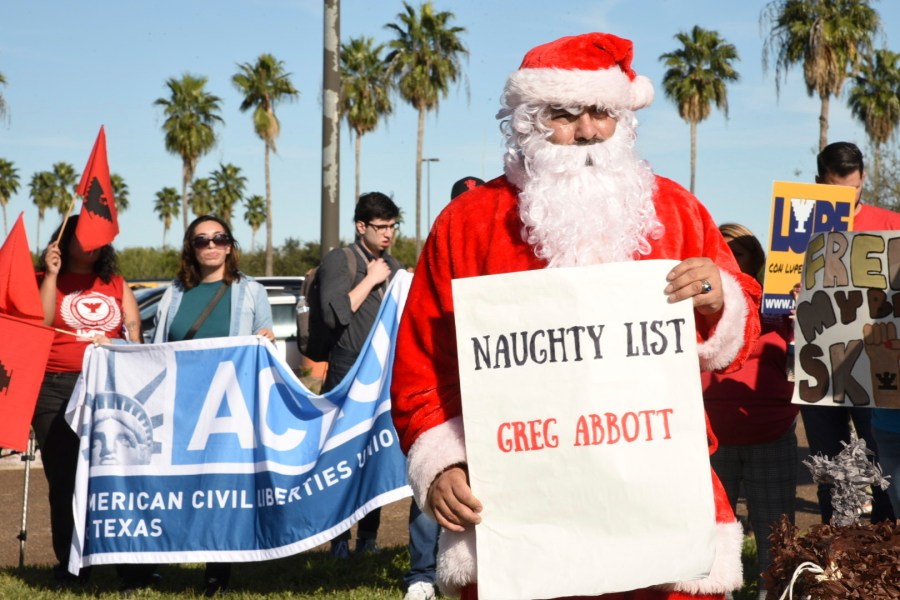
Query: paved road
[393, 532]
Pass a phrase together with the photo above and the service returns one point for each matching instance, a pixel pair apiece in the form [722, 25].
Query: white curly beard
[583, 205]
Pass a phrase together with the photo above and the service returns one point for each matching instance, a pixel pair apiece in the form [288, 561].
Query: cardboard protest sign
[846, 326]
[798, 211]
[585, 432]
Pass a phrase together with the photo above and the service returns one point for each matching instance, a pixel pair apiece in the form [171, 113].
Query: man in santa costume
[574, 193]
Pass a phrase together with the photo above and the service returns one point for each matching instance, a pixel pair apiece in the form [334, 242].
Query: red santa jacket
[479, 233]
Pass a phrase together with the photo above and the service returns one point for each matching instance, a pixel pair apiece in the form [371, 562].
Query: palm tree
[42, 194]
[65, 180]
[191, 115]
[227, 189]
[696, 76]
[828, 37]
[167, 206]
[120, 191]
[874, 99]
[424, 60]
[365, 90]
[9, 185]
[255, 215]
[201, 198]
[264, 85]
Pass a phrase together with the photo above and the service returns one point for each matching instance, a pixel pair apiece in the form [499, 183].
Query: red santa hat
[593, 69]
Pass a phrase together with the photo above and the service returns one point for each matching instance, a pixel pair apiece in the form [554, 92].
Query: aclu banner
[845, 331]
[212, 450]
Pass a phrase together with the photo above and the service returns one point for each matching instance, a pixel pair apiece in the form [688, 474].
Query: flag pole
[28, 457]
[66, 219]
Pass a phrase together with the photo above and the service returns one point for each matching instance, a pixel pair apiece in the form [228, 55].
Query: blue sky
[72, 66]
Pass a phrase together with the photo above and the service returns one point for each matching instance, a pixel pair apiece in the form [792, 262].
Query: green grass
[301, 577]
[304, 576]
[751, 567]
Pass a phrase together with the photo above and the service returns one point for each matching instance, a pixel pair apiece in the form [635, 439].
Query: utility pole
[428, 185]
[331, 151]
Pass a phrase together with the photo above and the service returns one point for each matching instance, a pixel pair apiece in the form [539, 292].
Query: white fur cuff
[431, 453]
[727, 339]
[727, 572]
[456, 564]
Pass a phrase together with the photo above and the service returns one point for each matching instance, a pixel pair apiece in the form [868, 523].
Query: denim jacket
[250, 309]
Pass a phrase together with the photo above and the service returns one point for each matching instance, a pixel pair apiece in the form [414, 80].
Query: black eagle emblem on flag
[96, 201]
[5, 378]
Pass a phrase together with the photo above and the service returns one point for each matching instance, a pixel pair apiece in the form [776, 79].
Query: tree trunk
[186, 176]
[37, 237]
[823, 122]
[876, 176]
[268, 217]
[419, 143]
[357, 149]
[165, 229]
[693, 154]
[5, 228]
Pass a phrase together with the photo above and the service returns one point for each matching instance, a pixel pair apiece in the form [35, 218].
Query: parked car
[147, 300]
[282, 282]
[284, 325]
[284, 319]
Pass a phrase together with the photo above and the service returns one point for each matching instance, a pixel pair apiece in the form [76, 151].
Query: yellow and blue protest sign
[798, 211]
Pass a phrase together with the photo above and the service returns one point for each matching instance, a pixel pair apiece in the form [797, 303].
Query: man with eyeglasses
[350, 303]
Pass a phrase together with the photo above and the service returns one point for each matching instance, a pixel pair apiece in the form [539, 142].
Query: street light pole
[428, 183]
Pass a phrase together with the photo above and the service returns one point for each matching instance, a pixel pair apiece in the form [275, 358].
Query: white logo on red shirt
[88, 312]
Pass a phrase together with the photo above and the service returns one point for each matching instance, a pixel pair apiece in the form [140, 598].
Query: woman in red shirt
[752, 416]
[87, 301]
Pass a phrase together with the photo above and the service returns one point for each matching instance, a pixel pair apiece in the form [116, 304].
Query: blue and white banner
[212, 450]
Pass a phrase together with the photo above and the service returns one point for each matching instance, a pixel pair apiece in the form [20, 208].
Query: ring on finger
[705, 286]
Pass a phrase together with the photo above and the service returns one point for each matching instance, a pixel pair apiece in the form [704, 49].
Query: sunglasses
[220, 240]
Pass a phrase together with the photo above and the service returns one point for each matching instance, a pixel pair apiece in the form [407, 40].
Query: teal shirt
[193, 303]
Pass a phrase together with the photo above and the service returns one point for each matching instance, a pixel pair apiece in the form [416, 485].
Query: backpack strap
[350, 253]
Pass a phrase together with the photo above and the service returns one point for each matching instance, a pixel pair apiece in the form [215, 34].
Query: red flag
[19, 294]
[23, 357]
[98, 223]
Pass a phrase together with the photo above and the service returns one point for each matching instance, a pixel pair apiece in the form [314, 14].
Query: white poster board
[585, 431]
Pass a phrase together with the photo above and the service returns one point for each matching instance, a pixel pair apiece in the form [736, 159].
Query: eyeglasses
[220, 240]
[381, 228]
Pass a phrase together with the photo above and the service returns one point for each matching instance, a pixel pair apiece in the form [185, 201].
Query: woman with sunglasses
[208, 271]
[208, 277]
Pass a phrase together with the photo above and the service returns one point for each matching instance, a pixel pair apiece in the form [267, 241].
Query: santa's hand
[697, 278]
[452, 502]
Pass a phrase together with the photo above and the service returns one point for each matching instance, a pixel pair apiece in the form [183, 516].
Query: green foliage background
[292, 258]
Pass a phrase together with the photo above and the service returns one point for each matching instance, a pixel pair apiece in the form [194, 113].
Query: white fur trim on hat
[431, 453]
[606, 88]
[728, 337]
